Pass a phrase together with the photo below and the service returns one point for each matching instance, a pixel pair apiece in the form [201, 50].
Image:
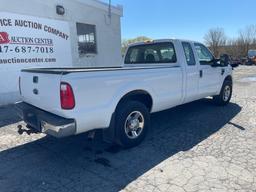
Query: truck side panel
[97, 94]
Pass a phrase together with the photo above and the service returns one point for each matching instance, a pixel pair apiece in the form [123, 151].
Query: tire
[225, 95]
[132, 123]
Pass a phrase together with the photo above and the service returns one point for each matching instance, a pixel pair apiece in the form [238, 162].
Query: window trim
[193, 53]
[95, 39]
[155, 63]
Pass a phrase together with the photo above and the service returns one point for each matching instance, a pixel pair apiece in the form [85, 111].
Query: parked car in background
[230, 60]
[155, 76]
[244, 60]
[252, 57]
[236, 61]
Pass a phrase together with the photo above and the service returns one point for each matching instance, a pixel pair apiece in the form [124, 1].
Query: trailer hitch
[29, 130]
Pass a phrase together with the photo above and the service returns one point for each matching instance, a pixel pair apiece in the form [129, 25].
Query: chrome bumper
[46, 122]
[58, 131]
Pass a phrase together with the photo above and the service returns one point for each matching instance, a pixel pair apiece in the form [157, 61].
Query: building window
[86, 38]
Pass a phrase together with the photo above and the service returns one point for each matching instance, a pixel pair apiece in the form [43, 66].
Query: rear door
[192, 73]
[41, 90]
[167, 80]
[209, 77]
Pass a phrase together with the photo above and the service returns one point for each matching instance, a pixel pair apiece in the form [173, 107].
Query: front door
[210, 76]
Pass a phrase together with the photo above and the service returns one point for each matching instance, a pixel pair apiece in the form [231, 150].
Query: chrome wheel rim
[227, 92]
[134, 125]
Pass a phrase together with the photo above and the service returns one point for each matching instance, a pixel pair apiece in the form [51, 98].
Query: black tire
[221, 99]
[125, 110]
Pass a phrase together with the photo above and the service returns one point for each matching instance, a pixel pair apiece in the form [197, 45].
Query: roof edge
[118, 9]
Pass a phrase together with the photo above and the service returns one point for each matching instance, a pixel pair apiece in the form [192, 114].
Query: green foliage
[127, 42]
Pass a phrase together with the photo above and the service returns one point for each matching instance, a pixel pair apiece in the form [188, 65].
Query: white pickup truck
[155, 76]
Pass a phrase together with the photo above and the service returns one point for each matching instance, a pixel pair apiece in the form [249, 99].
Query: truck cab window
[151, 56]
[204, 55]
[133, 55]
[156, 53]
[189, 54]
[86, 38]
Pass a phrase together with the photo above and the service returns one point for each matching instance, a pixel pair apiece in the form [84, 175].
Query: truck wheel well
[228, 78]
[138, 95]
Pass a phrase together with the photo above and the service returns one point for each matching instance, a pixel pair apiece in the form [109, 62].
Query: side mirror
[224, 63]
[216, 63]
[224, 60]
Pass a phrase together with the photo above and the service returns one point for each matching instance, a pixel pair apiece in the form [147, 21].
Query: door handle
[222, 71]
[201, 73]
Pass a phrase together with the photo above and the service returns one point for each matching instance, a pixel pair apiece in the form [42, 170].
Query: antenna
[109, 9]
[109, 15]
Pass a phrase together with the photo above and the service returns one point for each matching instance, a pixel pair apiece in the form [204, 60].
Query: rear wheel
[132, 123]
[225, 95]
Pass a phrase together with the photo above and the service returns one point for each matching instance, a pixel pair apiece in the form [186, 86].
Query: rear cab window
[189, 54]
[156, 53]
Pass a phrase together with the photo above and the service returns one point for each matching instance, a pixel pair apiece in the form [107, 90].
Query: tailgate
[41, 90]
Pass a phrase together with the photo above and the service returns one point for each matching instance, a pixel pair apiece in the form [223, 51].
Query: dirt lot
[195, 147]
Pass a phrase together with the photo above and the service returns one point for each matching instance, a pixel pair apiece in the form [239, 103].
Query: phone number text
[25, 49]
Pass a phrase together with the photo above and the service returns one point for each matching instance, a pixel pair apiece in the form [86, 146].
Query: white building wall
[108, 36]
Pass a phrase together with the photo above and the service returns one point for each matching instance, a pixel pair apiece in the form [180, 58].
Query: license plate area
[32, 120]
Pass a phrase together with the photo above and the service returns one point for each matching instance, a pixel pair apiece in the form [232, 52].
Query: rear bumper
[46, 122]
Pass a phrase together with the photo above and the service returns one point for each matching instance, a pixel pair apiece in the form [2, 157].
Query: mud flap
[109, 134]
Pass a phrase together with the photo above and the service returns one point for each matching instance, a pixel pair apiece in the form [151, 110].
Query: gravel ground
[195, 147]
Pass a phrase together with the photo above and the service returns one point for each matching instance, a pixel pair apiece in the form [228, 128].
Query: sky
[186, 19]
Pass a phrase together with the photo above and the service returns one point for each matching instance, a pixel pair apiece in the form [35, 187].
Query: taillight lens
[66, 96]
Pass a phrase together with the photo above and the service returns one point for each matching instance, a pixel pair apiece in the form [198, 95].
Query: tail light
[20, 85]
[67, 96]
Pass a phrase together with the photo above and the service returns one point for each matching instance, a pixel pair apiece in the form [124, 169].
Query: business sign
[28, 40]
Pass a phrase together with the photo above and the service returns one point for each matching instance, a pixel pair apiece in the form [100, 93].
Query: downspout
[109, 9]
[109, 15]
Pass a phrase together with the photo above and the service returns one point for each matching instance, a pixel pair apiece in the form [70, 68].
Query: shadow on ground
[76, 164]
[8, 115]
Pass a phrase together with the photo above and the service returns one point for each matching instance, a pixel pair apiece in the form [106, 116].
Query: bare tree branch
[215, 39]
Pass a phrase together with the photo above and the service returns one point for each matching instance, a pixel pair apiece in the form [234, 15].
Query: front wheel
[225, 95]
[132, 123]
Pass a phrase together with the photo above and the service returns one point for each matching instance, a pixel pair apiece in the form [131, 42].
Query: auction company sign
[28, 40]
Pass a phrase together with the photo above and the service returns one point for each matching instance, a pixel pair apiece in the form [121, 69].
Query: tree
[234, 48]
[127, 42]
[247, 39]
[215, 38]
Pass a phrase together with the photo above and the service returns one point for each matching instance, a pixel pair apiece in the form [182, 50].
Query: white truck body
[98, 91]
